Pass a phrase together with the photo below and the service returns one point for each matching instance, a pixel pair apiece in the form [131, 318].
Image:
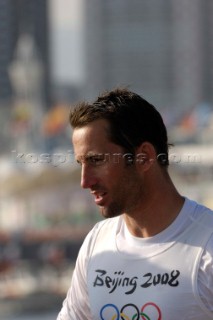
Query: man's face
[116, 186]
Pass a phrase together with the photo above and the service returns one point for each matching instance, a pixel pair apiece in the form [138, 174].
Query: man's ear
[145, 155]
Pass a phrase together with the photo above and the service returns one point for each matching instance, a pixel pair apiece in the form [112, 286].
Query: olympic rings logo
[136, 313]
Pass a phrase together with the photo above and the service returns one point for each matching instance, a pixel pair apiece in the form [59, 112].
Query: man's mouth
[100, 197]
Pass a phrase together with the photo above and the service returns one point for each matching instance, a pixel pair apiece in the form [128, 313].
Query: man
[152, 258]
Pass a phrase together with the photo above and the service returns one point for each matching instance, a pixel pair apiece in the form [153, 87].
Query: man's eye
[97, 160]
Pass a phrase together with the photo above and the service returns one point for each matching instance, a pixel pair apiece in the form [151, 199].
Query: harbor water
[39, 316]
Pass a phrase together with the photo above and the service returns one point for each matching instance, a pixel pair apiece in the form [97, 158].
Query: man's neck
[156, 212]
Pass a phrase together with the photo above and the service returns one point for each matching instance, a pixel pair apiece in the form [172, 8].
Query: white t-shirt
[80, 302]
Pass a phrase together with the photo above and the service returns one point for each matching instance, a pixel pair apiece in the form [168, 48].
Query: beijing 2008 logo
[131, 312]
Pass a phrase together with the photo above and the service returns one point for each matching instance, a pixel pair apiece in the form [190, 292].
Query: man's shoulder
[102, 226]
[101, 230]
[201, 213]
[109, 223]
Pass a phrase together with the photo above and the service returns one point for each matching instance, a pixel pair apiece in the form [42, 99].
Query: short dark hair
[132, 119]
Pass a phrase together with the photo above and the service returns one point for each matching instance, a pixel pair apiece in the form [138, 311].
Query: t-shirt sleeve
[205, 276]
[76, 305]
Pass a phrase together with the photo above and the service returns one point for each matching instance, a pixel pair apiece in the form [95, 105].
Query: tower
[18, 17]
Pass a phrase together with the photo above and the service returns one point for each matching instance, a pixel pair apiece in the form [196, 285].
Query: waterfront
[42, 306]
[39, 316]
[33, 296]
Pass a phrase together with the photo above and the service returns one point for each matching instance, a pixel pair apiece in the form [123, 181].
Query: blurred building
[129, 43]
[192, 24]
[18, 17]
[66, 49]
[160, 48]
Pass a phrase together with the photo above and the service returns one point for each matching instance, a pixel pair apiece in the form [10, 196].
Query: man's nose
[88, 178]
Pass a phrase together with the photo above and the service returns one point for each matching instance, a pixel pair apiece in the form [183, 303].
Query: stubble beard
[112, 211]
[127, 196]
